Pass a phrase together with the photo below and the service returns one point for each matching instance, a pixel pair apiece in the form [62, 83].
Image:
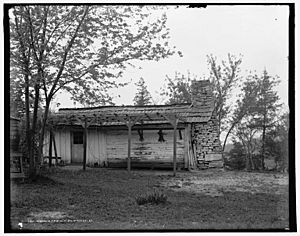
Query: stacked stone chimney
[202, 95]
[205, 135]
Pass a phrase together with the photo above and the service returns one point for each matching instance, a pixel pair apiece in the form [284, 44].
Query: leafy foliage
[101, 47]
[142, 97]
[178, 89]
[277, 143]
[236, 157]
[258, 106]
[224, 77]
[17, 107]
[79, 49]
[267, 107]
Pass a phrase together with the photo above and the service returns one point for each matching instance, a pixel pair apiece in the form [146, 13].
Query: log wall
[147, 153]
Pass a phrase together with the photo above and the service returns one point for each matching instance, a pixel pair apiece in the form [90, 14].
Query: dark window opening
[78, 137]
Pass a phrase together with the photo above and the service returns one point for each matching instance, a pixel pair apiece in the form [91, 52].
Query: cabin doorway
[77, 147]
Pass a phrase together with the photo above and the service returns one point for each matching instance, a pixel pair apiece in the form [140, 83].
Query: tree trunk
[224, 144]
[263, 148]
[247, 162]
[251, 161]
[29, 136]
[42, 133]
[219, 133]
[33, 143]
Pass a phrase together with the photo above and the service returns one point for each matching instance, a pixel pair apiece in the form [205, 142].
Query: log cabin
[179, 136]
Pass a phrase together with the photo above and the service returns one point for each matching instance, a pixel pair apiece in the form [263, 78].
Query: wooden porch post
[55, 150]
[129, 148]
[129, 123]
[174, 147]
[186, 148]
[50, 149]
[84, 144]
[173, 121]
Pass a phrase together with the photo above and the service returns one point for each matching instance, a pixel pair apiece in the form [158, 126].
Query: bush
[236, 158]
[235, 161]
[152, 198]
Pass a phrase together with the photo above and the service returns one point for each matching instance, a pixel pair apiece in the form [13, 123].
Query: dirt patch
[215, 183]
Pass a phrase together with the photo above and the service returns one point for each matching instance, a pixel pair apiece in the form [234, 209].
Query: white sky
[259, 33]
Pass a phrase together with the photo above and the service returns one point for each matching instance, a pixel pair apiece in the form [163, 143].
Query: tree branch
[66, 53]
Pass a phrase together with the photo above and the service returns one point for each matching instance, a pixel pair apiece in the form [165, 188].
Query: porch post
[84, 144]
[129, 123]
[174, 147]
[129, 148]
[55, 150]
[173, 119]
[50, 148]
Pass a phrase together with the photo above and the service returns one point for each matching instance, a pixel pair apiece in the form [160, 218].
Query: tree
[242, 121]
[178, 89]
[246, 132]
[79, 49]
[267, 106]
[142, 97]
[256, 112]
[276, 144]
[245, 105]
[236, 157]
[223, 77]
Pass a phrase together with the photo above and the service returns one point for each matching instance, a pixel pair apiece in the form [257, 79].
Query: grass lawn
[105, 199]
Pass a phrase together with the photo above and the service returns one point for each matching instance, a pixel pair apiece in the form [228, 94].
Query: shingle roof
[115, 115]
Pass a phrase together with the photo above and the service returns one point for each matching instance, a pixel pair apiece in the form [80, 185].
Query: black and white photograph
[161, 117]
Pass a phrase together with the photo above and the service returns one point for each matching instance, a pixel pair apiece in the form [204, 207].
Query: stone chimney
[205, 135]
[202, 95]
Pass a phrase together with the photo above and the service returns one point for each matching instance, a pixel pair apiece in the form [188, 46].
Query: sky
[258, 32]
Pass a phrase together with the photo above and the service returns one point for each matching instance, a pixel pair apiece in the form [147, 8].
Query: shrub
[152, 198]
[236, 159]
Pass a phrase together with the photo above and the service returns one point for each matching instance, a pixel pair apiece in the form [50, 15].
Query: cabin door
[77, 147]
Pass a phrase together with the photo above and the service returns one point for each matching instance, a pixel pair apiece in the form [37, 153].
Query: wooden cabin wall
[149, 151]
[96, 147]
[63, 144]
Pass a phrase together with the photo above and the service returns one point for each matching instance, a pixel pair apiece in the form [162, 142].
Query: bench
[59, 160]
